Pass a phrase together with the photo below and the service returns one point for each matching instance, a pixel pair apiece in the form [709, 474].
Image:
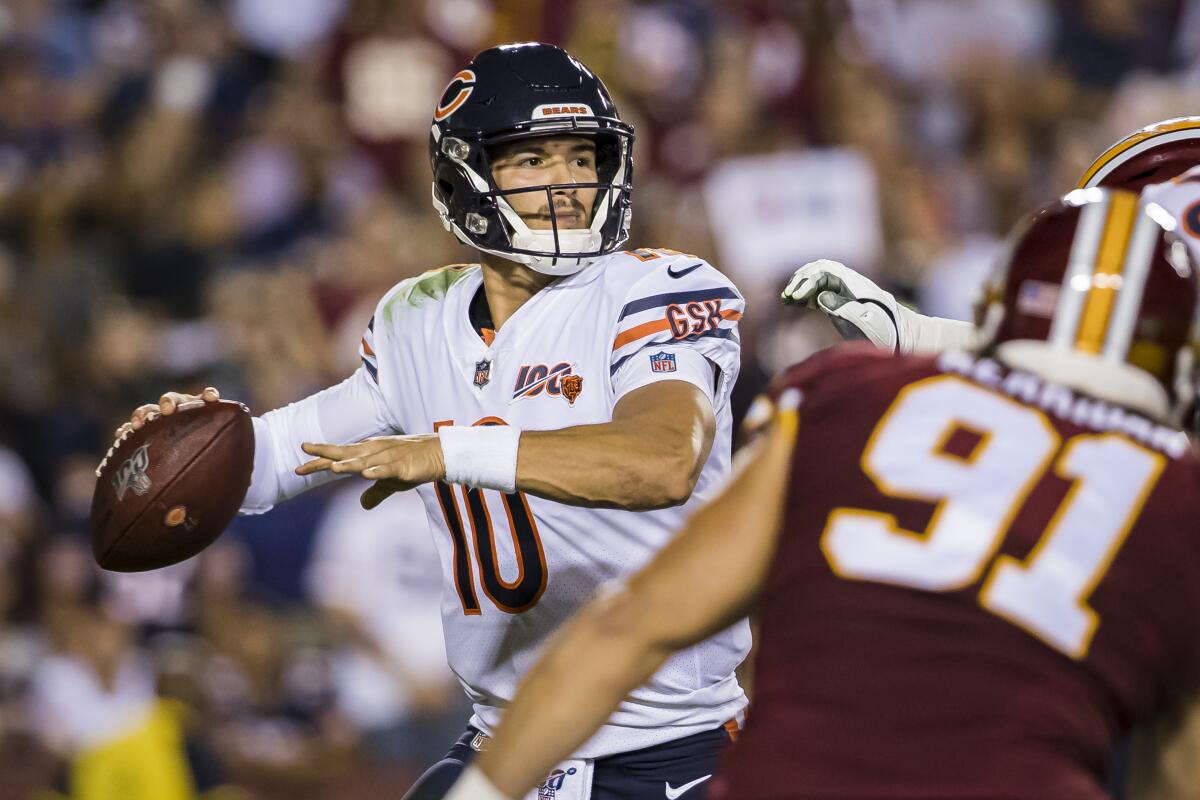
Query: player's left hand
[395, 463]
[857, 307]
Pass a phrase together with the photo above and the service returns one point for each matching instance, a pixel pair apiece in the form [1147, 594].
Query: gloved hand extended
[859, 309]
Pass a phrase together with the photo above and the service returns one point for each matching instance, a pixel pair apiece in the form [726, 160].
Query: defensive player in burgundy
[973, 572]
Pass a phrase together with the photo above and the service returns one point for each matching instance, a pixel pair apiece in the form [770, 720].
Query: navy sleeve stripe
[371, 325]
[372, 370]
[719, 333]
[654, 301]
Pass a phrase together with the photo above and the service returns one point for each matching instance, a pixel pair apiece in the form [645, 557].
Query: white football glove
[859, 309]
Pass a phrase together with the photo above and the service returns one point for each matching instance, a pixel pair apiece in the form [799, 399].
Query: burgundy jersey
[983, 579]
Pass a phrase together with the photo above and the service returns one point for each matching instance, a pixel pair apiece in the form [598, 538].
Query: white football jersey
[515, 567]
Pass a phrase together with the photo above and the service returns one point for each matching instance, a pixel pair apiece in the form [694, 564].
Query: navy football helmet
[513, 92]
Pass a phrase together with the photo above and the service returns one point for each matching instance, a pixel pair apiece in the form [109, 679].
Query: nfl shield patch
[662, 362]
[483, 373]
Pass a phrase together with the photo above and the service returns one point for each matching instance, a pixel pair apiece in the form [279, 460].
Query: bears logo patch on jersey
[572, 387]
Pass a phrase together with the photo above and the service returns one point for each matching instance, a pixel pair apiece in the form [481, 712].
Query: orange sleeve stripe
[367, 348]
[638, 331]
[654, 326]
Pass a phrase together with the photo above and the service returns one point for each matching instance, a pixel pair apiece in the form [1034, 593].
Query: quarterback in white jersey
[518, 565]
[560, 408]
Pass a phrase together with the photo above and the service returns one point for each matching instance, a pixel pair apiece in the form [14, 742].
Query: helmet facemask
[492, 224]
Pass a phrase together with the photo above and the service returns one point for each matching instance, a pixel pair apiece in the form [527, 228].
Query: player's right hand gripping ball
[166, 491]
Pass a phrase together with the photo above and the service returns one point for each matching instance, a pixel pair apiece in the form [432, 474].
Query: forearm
[564, 699]
[631, 628]
[633, 464]
[649, 456]
[350, 411]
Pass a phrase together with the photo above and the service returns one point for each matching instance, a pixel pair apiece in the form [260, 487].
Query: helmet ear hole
[1143, 177]
[608, 158]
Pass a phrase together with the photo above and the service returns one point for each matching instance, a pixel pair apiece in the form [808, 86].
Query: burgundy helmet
[1153, 154]
[1098, 273]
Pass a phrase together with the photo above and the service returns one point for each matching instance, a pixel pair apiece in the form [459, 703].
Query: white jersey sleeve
[678, 322]
[353, 410]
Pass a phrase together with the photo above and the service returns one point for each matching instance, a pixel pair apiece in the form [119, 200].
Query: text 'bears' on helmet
[1099, 274]
[520, 91]
[1153, 154]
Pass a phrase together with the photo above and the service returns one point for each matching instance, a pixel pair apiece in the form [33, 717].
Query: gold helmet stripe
[1098, 169]
[1106, 277]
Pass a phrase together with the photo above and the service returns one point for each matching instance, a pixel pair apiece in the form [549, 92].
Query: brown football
[166, 491]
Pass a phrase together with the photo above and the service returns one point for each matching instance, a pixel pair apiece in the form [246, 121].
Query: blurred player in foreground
[990, 573]
[544, 396]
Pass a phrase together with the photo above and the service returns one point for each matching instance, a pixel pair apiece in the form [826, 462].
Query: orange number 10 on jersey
[517, 595]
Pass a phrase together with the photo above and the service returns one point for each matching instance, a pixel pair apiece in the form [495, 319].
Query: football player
[561, 407]
[989, 575]
[1161, 160]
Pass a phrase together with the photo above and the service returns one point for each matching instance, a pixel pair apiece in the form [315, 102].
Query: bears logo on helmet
[457, 92]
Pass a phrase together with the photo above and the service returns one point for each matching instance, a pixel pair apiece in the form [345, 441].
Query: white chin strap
[585, 242]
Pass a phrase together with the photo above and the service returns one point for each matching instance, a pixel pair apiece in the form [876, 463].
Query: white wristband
[474, 785]
[481, 456]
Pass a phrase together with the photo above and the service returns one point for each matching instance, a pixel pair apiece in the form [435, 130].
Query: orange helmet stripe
[1114, 242]
[1134, 139]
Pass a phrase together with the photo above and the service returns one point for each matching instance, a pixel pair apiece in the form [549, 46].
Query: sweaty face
[549, 160]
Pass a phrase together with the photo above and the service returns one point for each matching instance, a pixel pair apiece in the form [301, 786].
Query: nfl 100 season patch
[132, 474]
[558, 380]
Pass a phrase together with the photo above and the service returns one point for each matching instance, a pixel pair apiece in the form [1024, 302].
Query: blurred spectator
[377, 576]
[262, 681]
[770, 213]
[93, 703]
[287, 30]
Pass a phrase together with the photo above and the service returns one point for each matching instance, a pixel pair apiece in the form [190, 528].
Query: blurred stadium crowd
[217, 192]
